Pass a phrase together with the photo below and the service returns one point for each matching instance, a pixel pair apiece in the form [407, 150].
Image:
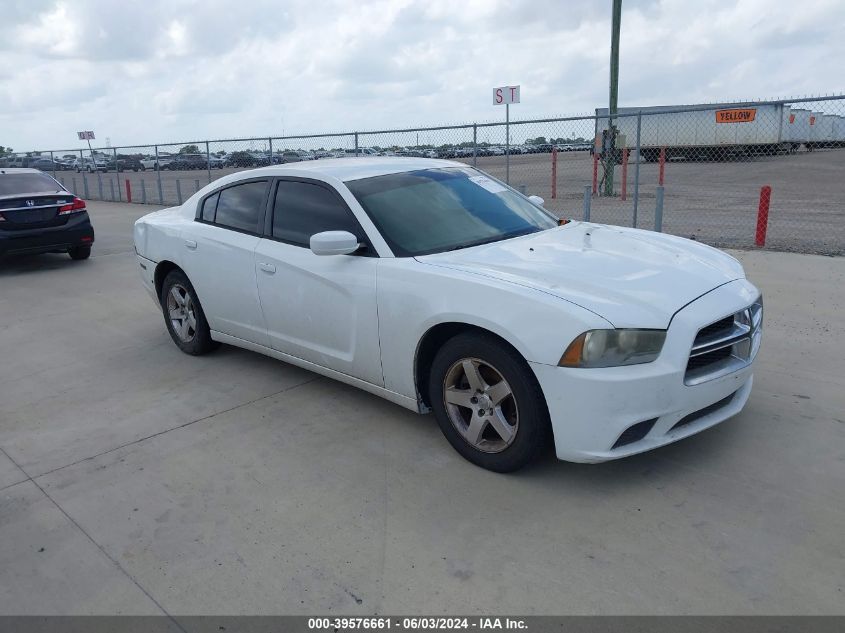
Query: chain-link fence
[695, 171]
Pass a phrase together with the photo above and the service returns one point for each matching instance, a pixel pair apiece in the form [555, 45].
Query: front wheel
[488, 403]
[183, 315]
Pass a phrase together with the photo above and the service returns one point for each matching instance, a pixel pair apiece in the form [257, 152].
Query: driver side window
[301, 209]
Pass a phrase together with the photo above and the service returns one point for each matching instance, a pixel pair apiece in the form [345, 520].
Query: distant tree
[190, 149]
[540, 140]
[5, 150]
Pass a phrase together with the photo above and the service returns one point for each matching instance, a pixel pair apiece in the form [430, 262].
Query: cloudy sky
[178, 70]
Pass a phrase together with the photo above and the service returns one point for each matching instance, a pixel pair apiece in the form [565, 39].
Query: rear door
[321, 309]
[219, 258]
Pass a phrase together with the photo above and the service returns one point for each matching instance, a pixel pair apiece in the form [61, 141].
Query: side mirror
[537, 200]
[334, 243]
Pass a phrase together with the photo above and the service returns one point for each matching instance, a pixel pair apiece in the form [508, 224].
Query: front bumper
[590, 409]
[77, 231]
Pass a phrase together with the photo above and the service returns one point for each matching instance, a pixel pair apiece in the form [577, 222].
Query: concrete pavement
[136, 479]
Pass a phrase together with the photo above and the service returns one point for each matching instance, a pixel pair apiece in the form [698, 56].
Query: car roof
[348, 169]
[20, 170]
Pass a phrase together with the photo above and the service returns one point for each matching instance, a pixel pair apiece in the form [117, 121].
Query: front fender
[414, 297]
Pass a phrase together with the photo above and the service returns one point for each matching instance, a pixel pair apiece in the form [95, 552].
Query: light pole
[610, 147]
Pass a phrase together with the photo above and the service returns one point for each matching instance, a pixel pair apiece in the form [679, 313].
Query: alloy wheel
[481, 405]
[182, 314]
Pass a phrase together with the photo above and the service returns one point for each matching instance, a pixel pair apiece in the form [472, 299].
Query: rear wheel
[488, 402]
[183, 315]
[79, 252]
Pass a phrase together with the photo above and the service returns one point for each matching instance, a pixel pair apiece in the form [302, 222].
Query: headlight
[612, 348]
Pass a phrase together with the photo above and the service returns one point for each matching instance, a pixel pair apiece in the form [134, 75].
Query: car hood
[630, 277]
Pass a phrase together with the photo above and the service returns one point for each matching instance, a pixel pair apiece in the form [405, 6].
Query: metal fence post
[143, 192]
[53, 164]
[116, 175]
[474, 144]
[507, 143]
[356, 143]
[158, 174]
[658, 209]
[208, 161]
[82, 171]
[73, 183]
[111, 188]
[270, 140]
[99, 175]
[637, 168]
[179, 190]
[587, 200]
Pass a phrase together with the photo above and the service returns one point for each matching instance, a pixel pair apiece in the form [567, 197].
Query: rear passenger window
[240, 207]
[302, 209]
[209, 207]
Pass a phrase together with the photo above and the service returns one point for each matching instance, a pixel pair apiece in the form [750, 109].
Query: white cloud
[159, 70]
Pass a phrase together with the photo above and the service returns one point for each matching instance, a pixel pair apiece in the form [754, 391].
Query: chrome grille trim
[740, 344]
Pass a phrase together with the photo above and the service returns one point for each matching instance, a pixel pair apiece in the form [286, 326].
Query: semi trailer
[717, 131]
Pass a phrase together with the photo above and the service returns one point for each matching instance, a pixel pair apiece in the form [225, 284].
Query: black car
[247, 159]
[38, 215]
[187, 161]
[123, 163]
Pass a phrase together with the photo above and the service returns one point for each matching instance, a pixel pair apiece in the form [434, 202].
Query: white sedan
[436, 286]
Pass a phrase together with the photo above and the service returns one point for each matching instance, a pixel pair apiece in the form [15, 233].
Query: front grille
[719, 328]
[697, 415]
[726, 345]
[708, 358]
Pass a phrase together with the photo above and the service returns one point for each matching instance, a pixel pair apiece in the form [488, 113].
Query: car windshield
[435, 210]
[11, 184]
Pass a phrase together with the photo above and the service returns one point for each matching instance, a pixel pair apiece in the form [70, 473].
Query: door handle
[191, 244]
[267, 268]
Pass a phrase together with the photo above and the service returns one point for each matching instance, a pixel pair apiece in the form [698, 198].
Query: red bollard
[763, 215]
[554, 173]
[595, 173]
[662, 166]
[128, 191]
[624, 174]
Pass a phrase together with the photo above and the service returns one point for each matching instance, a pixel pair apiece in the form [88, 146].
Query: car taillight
[76, 206]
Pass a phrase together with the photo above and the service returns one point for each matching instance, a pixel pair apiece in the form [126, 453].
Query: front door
[318, 308]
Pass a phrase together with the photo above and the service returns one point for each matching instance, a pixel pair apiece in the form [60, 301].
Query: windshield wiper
[490, 240]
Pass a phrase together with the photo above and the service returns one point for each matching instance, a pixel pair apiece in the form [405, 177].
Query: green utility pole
[609, 155]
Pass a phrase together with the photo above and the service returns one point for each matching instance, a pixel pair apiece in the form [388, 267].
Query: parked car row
[252, 158]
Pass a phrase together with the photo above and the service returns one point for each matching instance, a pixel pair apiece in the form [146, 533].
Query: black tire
[533, 431]
[200, 343]
[79, 252]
